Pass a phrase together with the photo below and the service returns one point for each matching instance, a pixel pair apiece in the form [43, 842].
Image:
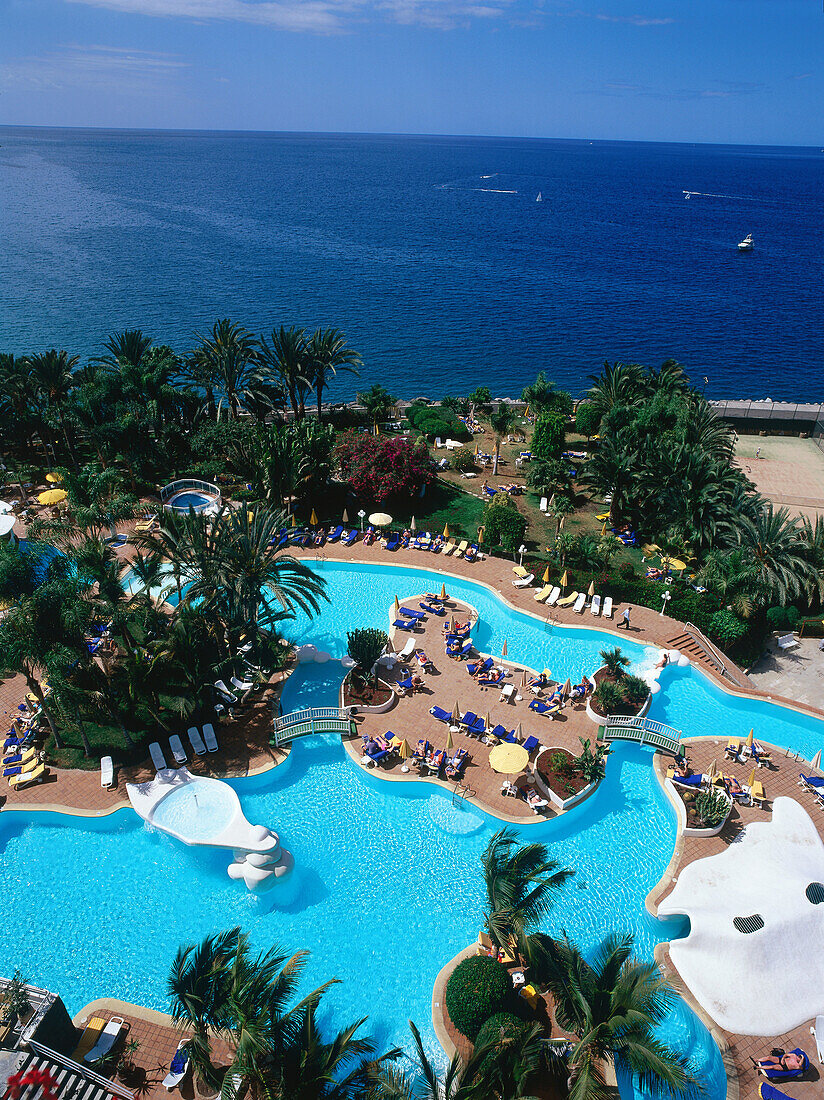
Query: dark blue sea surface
[430, 252]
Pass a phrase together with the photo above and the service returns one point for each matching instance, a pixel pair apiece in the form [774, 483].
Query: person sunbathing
[422, 659]
[732, 786]
[538, 681]
[534, 799]
[682, 768]
[417, 683]
[320, 538]
[579, 690]
[371, 746]
[791, 1062]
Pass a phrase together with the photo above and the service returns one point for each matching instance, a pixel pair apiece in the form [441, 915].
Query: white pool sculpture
[203, 811]
[649, 666]
[752, 958]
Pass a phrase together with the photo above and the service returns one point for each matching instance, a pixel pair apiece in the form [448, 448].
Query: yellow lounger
[519, 571]
[25, 758]
[462, 548]
[543, 593]
[24, 778]
[757, 793]
[91, 1033]
[567, 601]
[448, 547]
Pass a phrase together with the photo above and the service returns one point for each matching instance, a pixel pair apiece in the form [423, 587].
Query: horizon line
[390, 134]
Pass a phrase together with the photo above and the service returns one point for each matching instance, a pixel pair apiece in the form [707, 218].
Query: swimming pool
[388, 872]
[184, 501]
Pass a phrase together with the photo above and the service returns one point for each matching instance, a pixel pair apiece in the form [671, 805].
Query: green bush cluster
[726, 628]
[783, 618]
[478, 989]
[463, 459]
[504, 525]
[436, 422]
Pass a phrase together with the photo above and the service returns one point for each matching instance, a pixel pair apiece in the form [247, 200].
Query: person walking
[625, 617]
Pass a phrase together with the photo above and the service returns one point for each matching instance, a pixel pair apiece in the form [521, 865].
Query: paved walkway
[796, 673]
[780, 780]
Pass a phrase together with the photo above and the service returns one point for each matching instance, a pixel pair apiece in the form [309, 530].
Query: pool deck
[779, 780]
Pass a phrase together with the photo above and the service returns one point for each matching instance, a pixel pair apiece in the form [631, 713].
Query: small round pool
[191, 498]
[197, 810]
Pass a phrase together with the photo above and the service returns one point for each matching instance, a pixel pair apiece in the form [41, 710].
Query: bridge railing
[304, 723]
[646, 731]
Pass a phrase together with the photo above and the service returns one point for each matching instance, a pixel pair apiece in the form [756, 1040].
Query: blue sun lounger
[543, 708]
[473, 723]
[406, 684]
[441, 714]
[688, 780]
[347, 540]
[531, 744]
[773, 1074]
[770, 1092]
[404, 624]
[411, 614]
[336, 534]
[498, 731]
[431, 609]
[811, 781]
[393, 541]
[483, 666]
[466, 649]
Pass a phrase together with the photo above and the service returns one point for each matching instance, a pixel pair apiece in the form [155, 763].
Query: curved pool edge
[708, 673]
[124, 1008]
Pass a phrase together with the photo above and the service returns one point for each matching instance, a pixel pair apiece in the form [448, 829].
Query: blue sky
[746, 71]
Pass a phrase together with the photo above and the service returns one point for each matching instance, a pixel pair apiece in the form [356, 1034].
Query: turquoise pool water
[388, 886]
[184, 501]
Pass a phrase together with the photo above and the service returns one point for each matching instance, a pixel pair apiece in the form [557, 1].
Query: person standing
[625, 617]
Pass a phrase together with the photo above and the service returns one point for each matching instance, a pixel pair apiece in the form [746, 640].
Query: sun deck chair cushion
[441, 714]
[531, 743]
[158, 759]
[178, 752]
[410, 613]
[106, 1040]
[209, 737]
[404, 624]
[787, 1074]
[196, 741]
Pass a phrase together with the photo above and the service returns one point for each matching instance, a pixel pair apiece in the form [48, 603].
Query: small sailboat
[540, 197]
[747, 244]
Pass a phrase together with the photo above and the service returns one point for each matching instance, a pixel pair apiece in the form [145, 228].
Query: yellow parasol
[526, 411]
[561, 524]
[443, 591]
[397, 607]
[380, 519]
[449, 740]
[749, 740]
[404, 751]
[250, 516]
[446, 531]
[547, 674]
[52, 496]
[504, 649]
[508, 759]
[751, 780]
[591, 589]
[564, 581]
[603, 516]
[604, 530]
[313, 519]
[54, 478]
[546, 575]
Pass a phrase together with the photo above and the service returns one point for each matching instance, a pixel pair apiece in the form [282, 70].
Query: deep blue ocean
[430, 252]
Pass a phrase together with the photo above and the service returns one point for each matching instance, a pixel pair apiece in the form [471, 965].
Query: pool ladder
[460, 792]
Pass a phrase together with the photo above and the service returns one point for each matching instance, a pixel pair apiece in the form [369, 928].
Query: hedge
[478, 988]
[434, 422]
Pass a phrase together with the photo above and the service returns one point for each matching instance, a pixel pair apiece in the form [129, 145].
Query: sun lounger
[519, 571]
[757, 793]
[810, 782]
[405, 624]
[498, 732]
[491, 679]
[542, 593]
[607, 612]
[818, 1032]
[393, 542]
[91, 1033]
[689, 780]
[18, 769]
[531, 744]
[408, 613]
[158, 759]
[106, 772]
[242, 685]
[336, 534]
[196, 741]
[432, 609]
[474, 725]
[106, 1040]
[553, 596]
[350, 537]
[472, 553]
[456, 765]
[525, 582]
[407, 650]
[595, 607]
[209, 737]
[466, 649]
[28, 778]
[448, 547]
[178, 752]
[733, 749]
[567, 601]
[462, 548]
[770, 1092]
[580, 603]
[476, 667]
[774, 1073]
[543, 505]
[441, 714]
[181, 1064]
[547, 709]
[18, 758]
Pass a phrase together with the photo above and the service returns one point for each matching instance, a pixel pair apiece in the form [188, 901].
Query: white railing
[75, 1067]
[712, 652]
[304, 723]
[186, 483]
[646, 731]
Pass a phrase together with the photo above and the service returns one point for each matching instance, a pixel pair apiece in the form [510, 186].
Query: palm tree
[613, 468]
[615, 662]
[378, 403]
[52, 379]
[230, 354]
[617, 384]
[775, 541]
[614, 1005]
[287, 357]
[543, 397]
[327, 354]
[734, 577]
[521, 883]
[125, 348]
[502, 421]
[559, 508]
[97, 504]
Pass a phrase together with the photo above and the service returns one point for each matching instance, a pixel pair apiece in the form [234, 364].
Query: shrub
[436, 422]
[615, 661]
[378, 467]
[478, 988]
[711, 807]
[587, 419]
[364, 646]
[726, 628]
[635, 690]
[548, 437]
[608, 698]
[503, 524]
[503, 1025]
[626, 570]
[783, 618]
[463, 459]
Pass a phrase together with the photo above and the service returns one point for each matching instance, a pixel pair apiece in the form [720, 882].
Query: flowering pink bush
[378, 467]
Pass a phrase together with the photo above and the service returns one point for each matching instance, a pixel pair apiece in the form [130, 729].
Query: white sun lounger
[196, 741]
[607, 612]
[818, 1032]
[596, 605]
[525, 582]
[225, 691]
[408, 650]
[173, 1078]
[243, 685]
[158, 759]
[580, 603]
[209, 737]
[554, 596]
[178, 752]
[107, 1038]
[106, 772]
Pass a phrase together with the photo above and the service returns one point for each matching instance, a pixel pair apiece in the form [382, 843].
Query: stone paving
[779, 780]
[797, 673]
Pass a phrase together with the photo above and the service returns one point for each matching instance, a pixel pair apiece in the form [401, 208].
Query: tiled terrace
[449, 683]
[780, 780]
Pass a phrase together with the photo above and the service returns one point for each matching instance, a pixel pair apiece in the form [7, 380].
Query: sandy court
[788, 471]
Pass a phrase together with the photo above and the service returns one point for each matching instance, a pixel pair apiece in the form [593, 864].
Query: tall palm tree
[328, 353]
[287, 357]
[127, 347]
[230, 354]
[735, 578]
[614, 1005]
[775, 542]
[502, 421]
[617, 384]
[378, 403]
[521, 884]
[96, 502]
[52, 379]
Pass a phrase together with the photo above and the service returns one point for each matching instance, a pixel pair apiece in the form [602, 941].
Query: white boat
[540, 197]
[746, 244]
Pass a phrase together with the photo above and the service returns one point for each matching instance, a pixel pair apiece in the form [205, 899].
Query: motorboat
[746, 245]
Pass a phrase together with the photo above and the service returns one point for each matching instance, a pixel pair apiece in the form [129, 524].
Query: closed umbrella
[404, 751]
[603, 530]
[456, 715]
[380, 519]
[546, 575]
[446, 531]
[749, 740]
[523, 679]
[443, 591]
[449, 740]
[816, 761]
[413, 525]
[712, 770]
[313, 519]
[504, 649]
[519, 731]
[345, 517]
[564, 580]
[294, 520]
[591, 589]
[397, 607]
[488, 723]
[52, 496]
[751, 780]
[508, 759]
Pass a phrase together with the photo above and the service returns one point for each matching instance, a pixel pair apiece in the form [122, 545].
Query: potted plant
[16, 1004]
